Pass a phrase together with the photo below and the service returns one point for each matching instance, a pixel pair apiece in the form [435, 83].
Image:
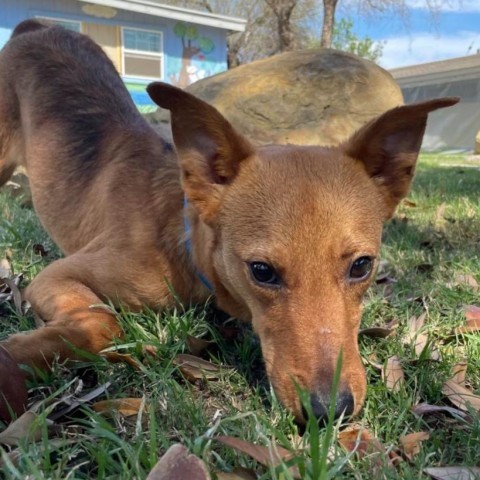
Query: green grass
[441, 233]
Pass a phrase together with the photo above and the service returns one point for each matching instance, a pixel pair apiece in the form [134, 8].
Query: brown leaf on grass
[124, 406]
[460, 396]
[195, 368]
[415, 324]
[268, 456]
[381, 331]
[421, 341]
[464, 280]
[411, 443]
[22, 429]
[237, 474]
[5, 268]
[453, 473]
[376, 332]
[425, 409]
[470, 281]
[392, 374]
[196, 345]
[363, 443]
[472, 314]
[115, 357]
[72, 402]
[15, 294]
[414, 334]
[459, 371]
[179, 464]
[13, 391]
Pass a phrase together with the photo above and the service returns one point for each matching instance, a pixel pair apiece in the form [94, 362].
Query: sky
[454, 31]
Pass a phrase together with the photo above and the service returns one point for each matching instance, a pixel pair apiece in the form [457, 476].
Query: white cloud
[463, 6]
[424, 47]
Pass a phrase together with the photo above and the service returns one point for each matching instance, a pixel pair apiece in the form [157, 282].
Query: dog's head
[290, 235]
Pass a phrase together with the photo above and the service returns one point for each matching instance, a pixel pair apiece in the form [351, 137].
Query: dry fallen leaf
[363, 443]
[464, 280]
[472, 314]
[197, 345]
[268, 456]
[124, 406]
[179, 464]
[74, 402]
[237, 474]
[195, 368]
[414, 324]
[411, 443]
[15, 294]
[459, 372]
[376, 332]
[414, 334]
[5, 268]
[21, 429]
[425, 409]
[392, 374]
[460, 396]
[453, 473]
[13, 391]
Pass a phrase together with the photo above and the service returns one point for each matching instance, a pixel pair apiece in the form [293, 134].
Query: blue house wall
[209, 43]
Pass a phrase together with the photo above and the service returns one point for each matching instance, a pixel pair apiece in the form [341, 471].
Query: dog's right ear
[388, 146]
[209, 149]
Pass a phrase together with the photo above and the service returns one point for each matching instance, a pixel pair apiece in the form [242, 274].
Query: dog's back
[70, 117]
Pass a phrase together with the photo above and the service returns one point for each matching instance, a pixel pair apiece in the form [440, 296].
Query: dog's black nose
[320, 407]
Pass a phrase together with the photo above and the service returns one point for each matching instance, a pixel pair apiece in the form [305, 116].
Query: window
[69, 24]
[142, 53]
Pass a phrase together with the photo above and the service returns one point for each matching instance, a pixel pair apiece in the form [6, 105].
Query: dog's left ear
[389, 145]
[209, 149]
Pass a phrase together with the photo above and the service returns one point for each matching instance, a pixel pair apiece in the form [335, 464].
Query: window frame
[160, 55]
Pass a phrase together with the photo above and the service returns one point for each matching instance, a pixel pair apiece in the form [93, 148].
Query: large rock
[304, 97]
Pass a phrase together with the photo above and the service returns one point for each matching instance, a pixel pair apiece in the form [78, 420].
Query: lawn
[431, 263]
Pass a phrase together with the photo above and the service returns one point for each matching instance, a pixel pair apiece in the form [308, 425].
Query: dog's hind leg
[63, 298]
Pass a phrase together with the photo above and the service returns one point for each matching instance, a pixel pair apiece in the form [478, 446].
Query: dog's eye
[361, 268]
[264, 273]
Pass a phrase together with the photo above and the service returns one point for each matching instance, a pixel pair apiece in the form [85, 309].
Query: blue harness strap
[188, 243]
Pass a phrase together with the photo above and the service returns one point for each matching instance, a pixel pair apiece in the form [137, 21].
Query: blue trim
[188, 243]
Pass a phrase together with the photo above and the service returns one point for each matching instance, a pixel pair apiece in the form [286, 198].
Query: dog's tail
[27, 26]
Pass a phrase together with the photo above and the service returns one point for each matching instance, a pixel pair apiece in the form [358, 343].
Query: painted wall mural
[195, 62]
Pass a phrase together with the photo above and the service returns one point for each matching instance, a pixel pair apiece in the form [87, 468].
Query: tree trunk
[329, 7]
[283, 11]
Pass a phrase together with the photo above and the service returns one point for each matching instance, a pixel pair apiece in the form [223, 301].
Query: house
[454, 128]
[146, 40]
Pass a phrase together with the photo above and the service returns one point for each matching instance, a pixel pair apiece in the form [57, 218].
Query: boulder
[307, 97]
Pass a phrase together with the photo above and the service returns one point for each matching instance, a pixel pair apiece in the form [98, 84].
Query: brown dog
[288, 236]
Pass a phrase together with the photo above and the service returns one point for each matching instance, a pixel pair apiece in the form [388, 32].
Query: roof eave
[175, 13]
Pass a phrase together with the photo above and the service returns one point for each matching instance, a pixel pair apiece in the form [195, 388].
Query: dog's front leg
[63, 297]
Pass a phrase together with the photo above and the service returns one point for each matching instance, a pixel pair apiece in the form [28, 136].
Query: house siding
[190, 52]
